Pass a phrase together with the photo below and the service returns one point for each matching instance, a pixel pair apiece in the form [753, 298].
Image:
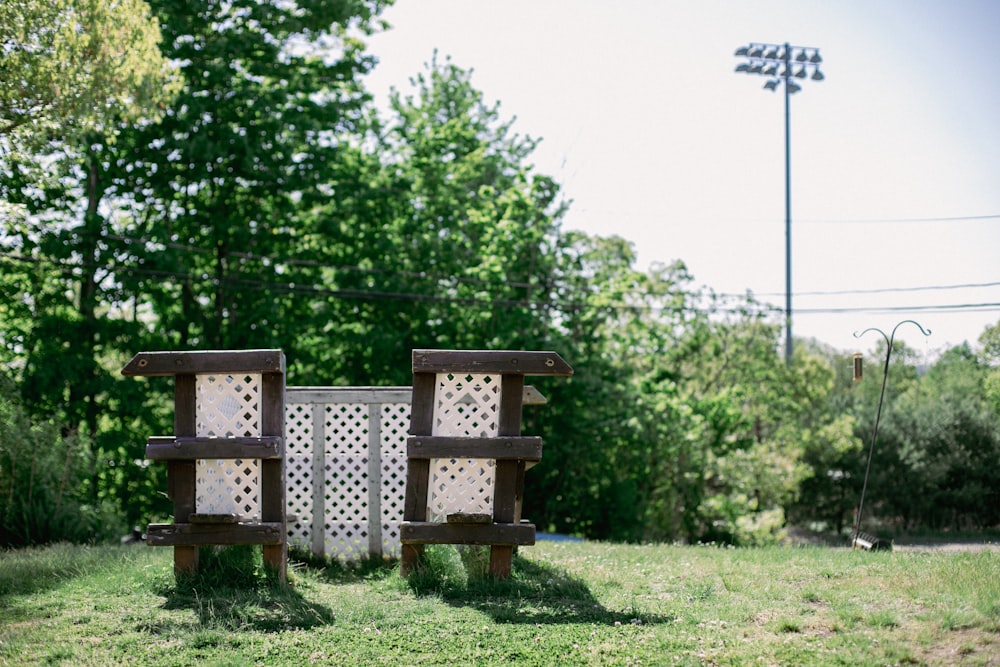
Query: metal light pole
[878, 414]
[776, 62]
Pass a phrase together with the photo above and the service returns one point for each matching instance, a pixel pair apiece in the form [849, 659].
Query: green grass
[566, 604]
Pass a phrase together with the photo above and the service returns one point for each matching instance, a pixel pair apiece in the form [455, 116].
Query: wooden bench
[466, 455]
[225, 460]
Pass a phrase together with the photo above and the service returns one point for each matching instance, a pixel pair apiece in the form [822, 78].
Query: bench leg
[410, 558]
[185, 561]
[501, 558]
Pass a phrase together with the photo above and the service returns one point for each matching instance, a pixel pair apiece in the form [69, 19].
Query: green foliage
[44, 478]
[271, 205]
[72, 66]
[943, 437]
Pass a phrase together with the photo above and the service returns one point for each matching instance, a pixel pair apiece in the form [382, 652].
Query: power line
[887, 290]
[424, 275]
[877, 221]
[936, 308]
[660, 215]
[293, 288]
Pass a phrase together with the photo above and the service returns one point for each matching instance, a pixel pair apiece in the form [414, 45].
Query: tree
[943, 439]
[74, 66]
[149, 231]
[455, 245]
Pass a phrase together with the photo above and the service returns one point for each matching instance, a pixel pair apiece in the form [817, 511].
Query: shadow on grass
[536, 593]
[232, 591]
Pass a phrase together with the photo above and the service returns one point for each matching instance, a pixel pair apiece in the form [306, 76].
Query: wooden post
[181, 474]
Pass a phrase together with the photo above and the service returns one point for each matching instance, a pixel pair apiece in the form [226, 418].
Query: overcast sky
[895, 155]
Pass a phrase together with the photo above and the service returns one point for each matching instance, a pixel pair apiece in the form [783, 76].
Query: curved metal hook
[862, 333]
[926, 332]
[892, 337]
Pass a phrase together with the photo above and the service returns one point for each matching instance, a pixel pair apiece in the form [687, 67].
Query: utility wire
[885, 290]
[424, 275]
[291, 287]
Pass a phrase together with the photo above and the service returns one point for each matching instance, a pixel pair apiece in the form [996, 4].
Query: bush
[44, 478]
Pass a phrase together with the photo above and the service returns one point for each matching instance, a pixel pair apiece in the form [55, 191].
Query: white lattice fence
[345, 469]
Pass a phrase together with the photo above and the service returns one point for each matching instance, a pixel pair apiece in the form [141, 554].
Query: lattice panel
[228, 487]
[347, 427]
[346, 509]
[228, 406]
[299, 473]
[464, 406]
[343, 438]
[394, 427]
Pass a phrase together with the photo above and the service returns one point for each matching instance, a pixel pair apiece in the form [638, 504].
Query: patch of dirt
[946, 547]
[805, 537]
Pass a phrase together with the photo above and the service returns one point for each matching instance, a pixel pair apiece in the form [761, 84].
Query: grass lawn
[568, 603]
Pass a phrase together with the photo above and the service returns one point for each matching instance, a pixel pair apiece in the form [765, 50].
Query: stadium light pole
[776, 62]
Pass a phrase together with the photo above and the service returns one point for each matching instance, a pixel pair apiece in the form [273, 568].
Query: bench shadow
[536, 593]
[226, 597]
[266, 609]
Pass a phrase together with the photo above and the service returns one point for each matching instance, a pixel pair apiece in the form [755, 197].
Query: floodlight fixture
[766, 60]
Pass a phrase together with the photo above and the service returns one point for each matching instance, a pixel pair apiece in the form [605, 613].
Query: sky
[653, 136]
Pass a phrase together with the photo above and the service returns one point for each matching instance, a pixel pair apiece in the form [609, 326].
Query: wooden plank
[181, 475]
[272, 471]
[368, 395]
[509, 416]
[374, 480]
[490, 361]
[208, 361]
[409, 558]
[533, 397]
[453, 533]
[272, 424]
[501, 561]
[417, 480]
[171, 448]
[318, 481]
[422, 404]
[448, 447]
[348, 394]
[504, 489]
[214, 519]
[467, 518]
[195, 535]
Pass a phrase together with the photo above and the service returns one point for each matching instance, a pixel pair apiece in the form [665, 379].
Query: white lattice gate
[345, 469]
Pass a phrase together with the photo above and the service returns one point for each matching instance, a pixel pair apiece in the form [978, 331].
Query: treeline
[262, 200]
